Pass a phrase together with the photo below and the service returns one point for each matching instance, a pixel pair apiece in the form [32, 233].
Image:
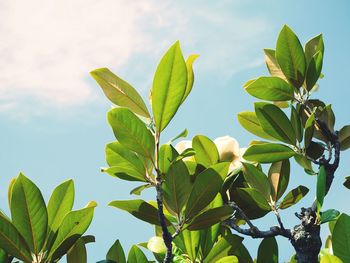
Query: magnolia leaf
[321, 187]
[344, 138]
[268, 153]
[206, 152]
[190, 75]
[268, 251]
[296, 124]
[119, 91]
[131, 132]
[136, 255]
[290, 56]
[314, 70]
[313, 46]
[341, 238]
[210, 217]
[294, 196]
[275, 122]
[272, 64]
[279, 178]
[169, 86]
[271, 88]
[329, 215]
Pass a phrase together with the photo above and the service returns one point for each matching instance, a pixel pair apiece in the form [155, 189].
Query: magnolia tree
[207, 194]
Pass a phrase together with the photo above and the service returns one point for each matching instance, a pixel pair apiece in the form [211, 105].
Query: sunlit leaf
[136, 255]
[268, 153]
[279, 178]
[344, 138]
[293, 196]
[341, 238]
[321, 187]
[190, 75]
[206, 152]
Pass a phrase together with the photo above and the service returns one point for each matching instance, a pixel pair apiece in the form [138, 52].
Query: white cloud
[48, 47]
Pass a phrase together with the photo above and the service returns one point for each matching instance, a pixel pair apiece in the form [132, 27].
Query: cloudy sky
[52, 114]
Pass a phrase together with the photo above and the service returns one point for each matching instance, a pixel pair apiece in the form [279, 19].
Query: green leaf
[167, 155]
[139, 209]
[228, 259]
[275, 122]
[206, 152]
[169, 86]
[139, 189]
[296, 124]
[290, 56]
[293, 196]
[206, 186]
[268, 251]
[60, 203]
[10, 189]
[314, 70]
[224, 247]
[341, 238]
[257, 180]
[321, 187]
[116, 253]
[77, 254]
[210, 217]
[190, 75]
[124, 163]
[131, 132]
[330, 259]
[191, 240]
[313, 46]
[136, 255]
[28, 212]
[268, 153]
[183, 134]
[73, 226]
[270, 88]
[279, 178]
[176, 187]
[250, 122]
[119, 91]
[253, 196]
[329, 215]
[309, 130]
[272, 64]
[12, 241]
[315, 150]
[347, 182]
[303, 162]
[344, 138]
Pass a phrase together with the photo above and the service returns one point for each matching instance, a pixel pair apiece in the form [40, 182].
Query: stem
[162, 220]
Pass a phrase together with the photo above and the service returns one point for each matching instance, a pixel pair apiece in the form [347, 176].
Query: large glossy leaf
[290, 56]
[224, 247]
[344, 138]
[169, 86]
[176, 187]
[321, 187]
[124, 163]
[314, 70]
[268, 153]
[131, 131]
[119, 91]
[209, 235]
[136, 255]
[73, 226]
[329, 215]
[228, 259]
[60, 203]
[77, 254]
[28, 212]
[9, 191]
[309, 130]
[190, 75]
[12, 241]
[272, 64]
[341, 238]
[254, 198]
[330, 259]
[296, 124]
[116, 253]
[275, 122]
[140, 209]
[270, 88]
[167, 154]
[279, 178]
[268, 251]
[250, 122]
[206, 152]
[206, 186]
[191, 240]
[257, 179]
[293, 196]
[210, 217]
[313, 46]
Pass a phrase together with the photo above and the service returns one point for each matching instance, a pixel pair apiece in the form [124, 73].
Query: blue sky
[53, 115]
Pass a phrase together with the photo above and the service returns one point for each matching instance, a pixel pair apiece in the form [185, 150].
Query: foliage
[41, 234]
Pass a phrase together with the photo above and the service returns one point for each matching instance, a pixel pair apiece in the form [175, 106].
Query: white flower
[229, 151]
